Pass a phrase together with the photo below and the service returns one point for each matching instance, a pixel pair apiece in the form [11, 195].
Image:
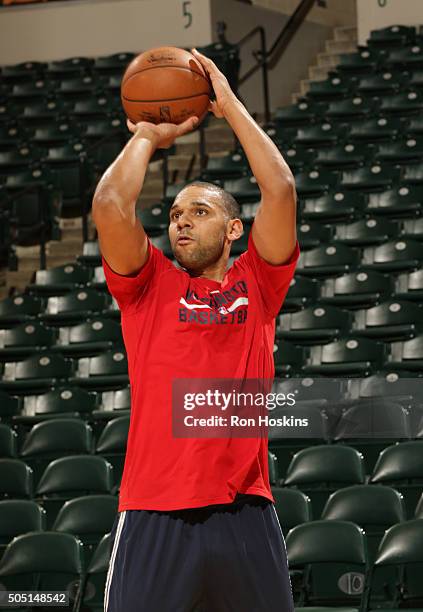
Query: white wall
[59, 30]
[374, 14]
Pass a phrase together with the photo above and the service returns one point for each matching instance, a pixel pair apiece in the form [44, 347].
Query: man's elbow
[282, 190]
[106, 208]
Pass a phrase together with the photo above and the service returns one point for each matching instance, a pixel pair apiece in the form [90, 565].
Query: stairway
[344, 41]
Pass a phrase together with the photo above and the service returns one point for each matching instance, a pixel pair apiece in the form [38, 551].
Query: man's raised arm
[274, 228]
[123, 242]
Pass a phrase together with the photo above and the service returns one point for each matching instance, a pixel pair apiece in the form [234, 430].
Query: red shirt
[167, 337]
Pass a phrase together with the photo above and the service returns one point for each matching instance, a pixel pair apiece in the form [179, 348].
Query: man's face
[198, 228]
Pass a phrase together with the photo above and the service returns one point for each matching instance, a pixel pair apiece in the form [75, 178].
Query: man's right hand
[162, 135]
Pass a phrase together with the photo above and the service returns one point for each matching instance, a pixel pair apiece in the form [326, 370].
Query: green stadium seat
[416, 82]
[113, 404]
[78, 305]
[370, 425]
[281, 135]
[56, 134]
[334, 207]
[387, 82]
[273, 468]
[362, 62]
[400, 550]
[44, 561]
[19, 516]
[8, 442]
[58, 402]
[23, 71]
[314, 324]
[62, 69]
[288, 358]
[402, 151]
[391, 36]
[10, 134]
[322, 469]
[105, 138]
[366, 232]
[393, 255]
[70, 477]
[89, 338]
[292, 507]
[412, 229]
[312, 233]
[59, 280]
[328, 260]
[9, 407]
[112, 444]
[409, 286]
[374, 508]
[25, 340]
[89, 518]
[16, 480]
[407, 58]
[400, 202]
[299, 114]
[389, 320]
[419, 508]
[376, 129]
[95, 106]
[53, 439]
[372, 178]
[94, 586]
[76, 86]
[325, 134]
[356, 289]
[401, 466]
[350, 108]
[226, 57]
[32, 90]
[343, 156]
[244, 189]
[19, 158]
[413, 174]
[407, 355]
[230, 166]
[301, 292]
[353, 356]
[406, 103]
[35, 374]
[321, 556]
[334, 87]
[397, 386]
[112, 64]
[298, 158]
[315, 183]
[43, 112]
[106, 371]
[155, 220]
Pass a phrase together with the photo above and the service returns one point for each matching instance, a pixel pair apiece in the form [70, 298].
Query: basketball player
[196, 528]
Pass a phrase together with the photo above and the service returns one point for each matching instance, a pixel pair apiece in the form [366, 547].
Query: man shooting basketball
[196, 529]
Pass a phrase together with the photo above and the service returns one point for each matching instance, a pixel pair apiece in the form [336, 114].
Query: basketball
[165, 85]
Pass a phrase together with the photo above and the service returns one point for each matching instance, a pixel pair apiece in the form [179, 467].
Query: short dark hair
[229, 203]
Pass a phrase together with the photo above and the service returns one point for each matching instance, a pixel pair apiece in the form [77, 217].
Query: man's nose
[184, 220]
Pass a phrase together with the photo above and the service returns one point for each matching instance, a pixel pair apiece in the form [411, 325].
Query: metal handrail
[267, 58]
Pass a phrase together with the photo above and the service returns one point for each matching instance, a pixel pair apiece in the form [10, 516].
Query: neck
[215, 272]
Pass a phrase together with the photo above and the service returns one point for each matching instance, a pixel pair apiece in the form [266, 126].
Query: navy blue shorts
[221, 558]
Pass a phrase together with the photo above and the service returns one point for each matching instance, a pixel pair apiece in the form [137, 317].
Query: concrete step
[328, 60]
[318, 73]
[340, 46]
[346, 33]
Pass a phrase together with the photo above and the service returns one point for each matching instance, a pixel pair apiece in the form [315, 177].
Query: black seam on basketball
[165, 66]
[166, 99]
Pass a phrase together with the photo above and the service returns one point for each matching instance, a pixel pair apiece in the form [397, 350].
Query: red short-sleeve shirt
[177, 326]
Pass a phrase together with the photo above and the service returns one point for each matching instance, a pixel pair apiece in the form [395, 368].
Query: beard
[197, 257]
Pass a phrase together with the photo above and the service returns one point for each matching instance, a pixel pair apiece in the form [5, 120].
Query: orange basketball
[165, 85]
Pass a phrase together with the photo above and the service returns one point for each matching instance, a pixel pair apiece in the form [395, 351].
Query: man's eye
[175, 215]
[201, 210]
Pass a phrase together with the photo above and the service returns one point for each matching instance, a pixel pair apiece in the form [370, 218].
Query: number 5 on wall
[186, 13]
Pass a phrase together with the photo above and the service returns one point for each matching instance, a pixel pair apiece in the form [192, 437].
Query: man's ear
[235, 229]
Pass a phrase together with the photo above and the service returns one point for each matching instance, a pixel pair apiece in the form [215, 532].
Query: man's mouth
[184, 240]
